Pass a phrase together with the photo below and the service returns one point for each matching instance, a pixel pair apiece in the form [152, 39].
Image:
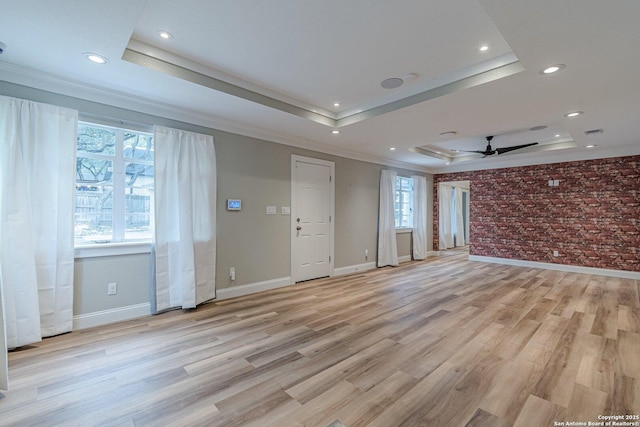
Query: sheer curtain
[444, 212]
[185, 218]
[460, 232]
[467, 205]
[387, 245]
[37, 159]
[419, 217]
[4, 357]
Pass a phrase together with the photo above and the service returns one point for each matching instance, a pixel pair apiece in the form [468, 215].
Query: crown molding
[156, 59]
[24, 76]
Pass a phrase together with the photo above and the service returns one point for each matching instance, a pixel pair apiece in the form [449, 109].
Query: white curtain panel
[37, 179]
[387, 245]
[4, 357]
[444, 213]
[419, 217]
[185, 218]
[460, 239]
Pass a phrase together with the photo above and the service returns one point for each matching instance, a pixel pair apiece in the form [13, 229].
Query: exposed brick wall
[592, 218]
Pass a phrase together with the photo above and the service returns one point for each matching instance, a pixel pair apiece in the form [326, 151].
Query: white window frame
[399, 179]
[117, 245]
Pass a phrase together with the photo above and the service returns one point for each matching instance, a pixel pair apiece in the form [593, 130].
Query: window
[404, 202]
[114, 185]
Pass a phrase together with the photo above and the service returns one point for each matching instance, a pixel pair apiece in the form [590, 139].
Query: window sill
[112, 249]
[404, 230]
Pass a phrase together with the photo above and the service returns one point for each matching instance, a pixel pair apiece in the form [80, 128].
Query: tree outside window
[114, 185]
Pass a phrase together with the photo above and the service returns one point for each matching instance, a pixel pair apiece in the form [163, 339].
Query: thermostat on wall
[234, 204]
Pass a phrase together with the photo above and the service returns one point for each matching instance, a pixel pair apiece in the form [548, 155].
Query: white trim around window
[404, 230]
[112, 249]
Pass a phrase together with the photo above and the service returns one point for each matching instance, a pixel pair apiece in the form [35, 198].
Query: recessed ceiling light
[574, 113]
[557, 135]
[552, 69]
[335, 131]
[95, 58]
[392, 148]
[447, 163]
[165, 34]
[590, 146]
[336, 104]
[484, 48]
[392, 83]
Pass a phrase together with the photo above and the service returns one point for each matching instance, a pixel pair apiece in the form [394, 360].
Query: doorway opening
[454, 206]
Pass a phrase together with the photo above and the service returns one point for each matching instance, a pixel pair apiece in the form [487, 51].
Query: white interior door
[311, 218]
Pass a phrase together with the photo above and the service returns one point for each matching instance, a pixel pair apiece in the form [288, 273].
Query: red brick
[594, 214]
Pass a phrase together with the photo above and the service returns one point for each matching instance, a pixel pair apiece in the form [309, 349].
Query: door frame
[296, 158]
[465, 185]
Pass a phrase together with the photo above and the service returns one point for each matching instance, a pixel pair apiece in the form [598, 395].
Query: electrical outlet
[366, 254]
[555, 253]
[232, 273]
[112, 288]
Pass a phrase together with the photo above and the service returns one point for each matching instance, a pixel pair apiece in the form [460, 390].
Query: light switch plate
[286, 210]
[112, 288]
[271, 210]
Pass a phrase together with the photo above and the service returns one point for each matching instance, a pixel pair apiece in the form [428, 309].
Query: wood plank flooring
[445, 342]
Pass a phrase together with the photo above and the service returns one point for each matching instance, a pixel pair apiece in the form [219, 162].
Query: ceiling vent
[593, 131]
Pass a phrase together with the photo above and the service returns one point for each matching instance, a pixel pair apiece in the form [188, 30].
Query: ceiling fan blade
[515, 147]
[474, 151]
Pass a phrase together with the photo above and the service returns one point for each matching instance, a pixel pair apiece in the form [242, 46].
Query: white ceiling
[274, 69]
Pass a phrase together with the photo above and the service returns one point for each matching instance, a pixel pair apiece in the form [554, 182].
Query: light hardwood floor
[446, 342]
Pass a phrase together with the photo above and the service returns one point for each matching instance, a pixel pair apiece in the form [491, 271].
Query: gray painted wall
[404, 244]
[256, 244]
[132, 273]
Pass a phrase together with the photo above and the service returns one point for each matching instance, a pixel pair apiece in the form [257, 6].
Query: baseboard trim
[623, 274]
[252, 288]
[99, 318]
[359, 268]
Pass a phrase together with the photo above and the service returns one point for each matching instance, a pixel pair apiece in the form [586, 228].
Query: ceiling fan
[490, 151]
